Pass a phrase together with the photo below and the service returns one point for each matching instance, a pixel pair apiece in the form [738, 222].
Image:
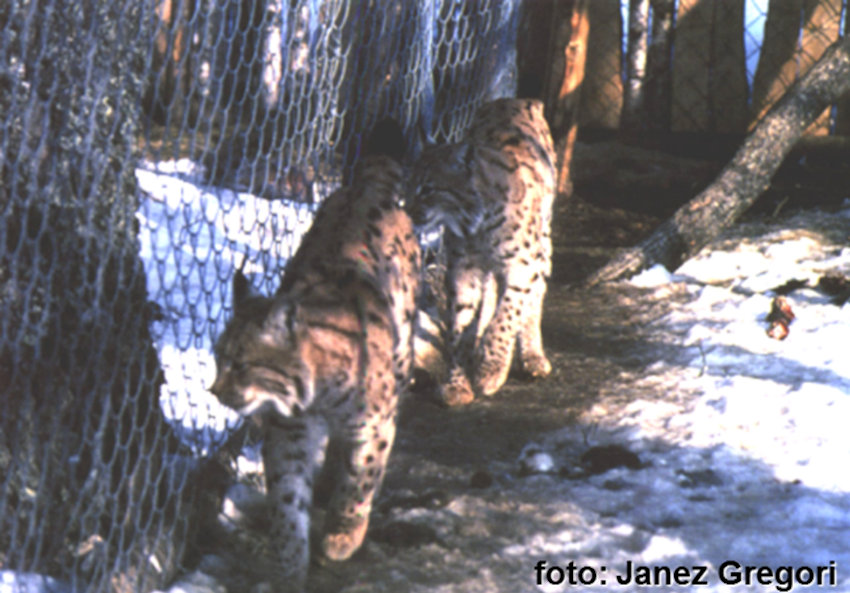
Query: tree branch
[746, 176]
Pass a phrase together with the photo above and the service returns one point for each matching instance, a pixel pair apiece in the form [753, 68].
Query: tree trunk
[777, 66]
[603, 86]
[691, 67]
[709, 72]
[274, 32]
[566, 74]
[633, 98]
[821, 27]
[745, 177]
[842, 111]
[727, 85]
[166, 97]
[659, 65]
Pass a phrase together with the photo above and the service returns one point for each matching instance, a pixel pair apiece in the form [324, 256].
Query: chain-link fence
[713, 67]
[147, 149]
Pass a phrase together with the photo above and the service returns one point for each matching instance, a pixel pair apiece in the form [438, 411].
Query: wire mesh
[147, 150]
[725, 65]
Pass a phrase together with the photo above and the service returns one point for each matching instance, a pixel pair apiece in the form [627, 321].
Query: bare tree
[659, 65]
[566, 73]
[821, 25]
[746, 177]
[602, 90]
[168, 87]
[636, 52]
[727, 72]
[842, 115]
[777, 66]
[273, 35]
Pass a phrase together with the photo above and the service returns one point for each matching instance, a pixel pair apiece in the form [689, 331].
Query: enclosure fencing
[711, 66]
[148, 148]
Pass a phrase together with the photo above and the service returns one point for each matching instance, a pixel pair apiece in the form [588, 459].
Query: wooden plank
[728, 79]
[602, 92]
[777, 66]
[691, 62]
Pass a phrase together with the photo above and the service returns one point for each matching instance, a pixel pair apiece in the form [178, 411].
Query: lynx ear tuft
[242, 289]
[280, 324]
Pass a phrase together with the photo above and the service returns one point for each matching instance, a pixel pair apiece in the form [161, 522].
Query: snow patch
[192, 240]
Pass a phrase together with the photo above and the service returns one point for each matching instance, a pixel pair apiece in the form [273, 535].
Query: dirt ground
[464, 506]
[468, 457]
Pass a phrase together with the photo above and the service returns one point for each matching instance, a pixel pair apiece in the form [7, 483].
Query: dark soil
[445, 454]
[455, 497]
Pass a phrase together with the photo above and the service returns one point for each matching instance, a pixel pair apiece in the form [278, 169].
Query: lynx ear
[242, 290]
[280, 324]
[469, 154]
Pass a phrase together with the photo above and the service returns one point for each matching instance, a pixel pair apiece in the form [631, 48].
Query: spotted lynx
[324, 360]
[492, 195]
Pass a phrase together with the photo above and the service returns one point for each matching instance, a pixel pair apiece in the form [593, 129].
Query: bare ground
[456, 496]
[471, 503]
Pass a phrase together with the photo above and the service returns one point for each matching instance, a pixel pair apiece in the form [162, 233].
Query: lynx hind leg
[293, 449]
[358, 478]
[530, 341]
[466, 284]
[494, 353]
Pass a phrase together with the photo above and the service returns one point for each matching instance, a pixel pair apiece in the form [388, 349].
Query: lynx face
[259, 360]
[446, 196]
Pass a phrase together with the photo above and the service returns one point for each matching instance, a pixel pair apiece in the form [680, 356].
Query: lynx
[323, 361]
[492, 196]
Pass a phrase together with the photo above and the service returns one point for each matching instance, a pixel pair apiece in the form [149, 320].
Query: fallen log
[746, 176]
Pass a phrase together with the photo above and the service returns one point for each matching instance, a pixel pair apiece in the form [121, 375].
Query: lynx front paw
[537, 365]
[341, 546]
[454, 394]
[491, 376]
[456, 391]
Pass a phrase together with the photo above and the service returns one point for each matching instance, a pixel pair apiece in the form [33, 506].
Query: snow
[657, 275]
[766, 419]
[742, 437]
[192, 239]
[25, 582]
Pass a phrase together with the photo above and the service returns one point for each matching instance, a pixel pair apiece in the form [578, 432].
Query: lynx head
[443, 190]
[258, 356]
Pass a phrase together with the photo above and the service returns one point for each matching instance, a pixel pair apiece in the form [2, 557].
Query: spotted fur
[324, 361]
[492, 196]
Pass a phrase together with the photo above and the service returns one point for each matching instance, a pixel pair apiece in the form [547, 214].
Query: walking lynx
[324, 360]
[492, 195]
